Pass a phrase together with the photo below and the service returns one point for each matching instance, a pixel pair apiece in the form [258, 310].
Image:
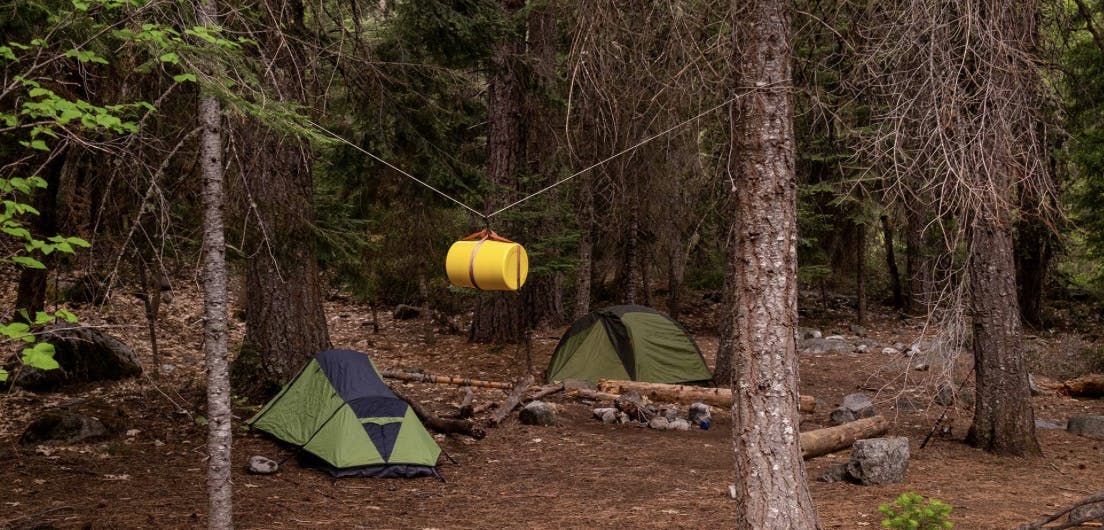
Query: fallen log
[718, 397]
[829, 440]
[595, 395]
[512, 401]
[1091, 386]
[439, 424]
[444, 379]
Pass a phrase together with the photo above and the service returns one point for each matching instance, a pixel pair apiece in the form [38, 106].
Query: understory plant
[911, 511]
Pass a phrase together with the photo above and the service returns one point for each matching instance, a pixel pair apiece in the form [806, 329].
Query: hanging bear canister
[488, 262]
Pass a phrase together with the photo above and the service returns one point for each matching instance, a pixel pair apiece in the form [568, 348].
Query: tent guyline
[487, 217]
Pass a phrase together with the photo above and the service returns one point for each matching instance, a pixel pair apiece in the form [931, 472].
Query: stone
[890, 351]
[854, 406]
[698, 412]
[610, 417]
[808, 333]
[671, 412]
[260, 465]
[899, 346]
[406, 312]
[826, 345]
[678, 424]
[1046, 424]
[857, 329]
[168, 368]
[836, 473]
[861, 348]
[84, 355]
[659, 423]
[913, 350]
[602, 411]
[537, 413]
[879, 461]
[945, 396]
[1087, 426]
[64, 428]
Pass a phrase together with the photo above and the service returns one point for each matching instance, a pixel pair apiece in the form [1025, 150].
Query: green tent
[628, 342]
[339, 410]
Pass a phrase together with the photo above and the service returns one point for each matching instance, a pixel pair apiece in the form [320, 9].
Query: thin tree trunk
[860, 273]
[31, 292]
[631, 280]
[771, 487]
[676, 270]
[723, 372]
[891, 263]
[219, 433]
[918, 262]
[584, 269]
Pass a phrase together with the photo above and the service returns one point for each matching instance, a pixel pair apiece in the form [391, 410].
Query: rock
[406, 312]
[1046, 424]
[167, 368]
[899, 346]
[854, 406]
[879, 461]
[84, 355]
[262, 466]
[808, 333]
[698, 411]
[602, 411]
[913, 350]
[610, 417]
[678, 424]
[577, 384]
[537, 413]
[861, 348]
[622, 418]
[659, 423]
[671, 412]
[836, 473]
[64, 428]
[856, 329]
[827, 345]
[1088, 426]
[945, 396]
[890, 351]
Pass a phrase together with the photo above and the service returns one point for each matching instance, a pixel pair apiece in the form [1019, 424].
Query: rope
[542, 190]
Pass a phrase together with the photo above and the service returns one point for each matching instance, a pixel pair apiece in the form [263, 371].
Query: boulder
[65, 428]
[537, 413]
[659, 423]
[611, 416]
[260, 465]
[1088, 426]
[406, 312]
[879, 461]
[602, 411]
[84, 355]
[854, 406]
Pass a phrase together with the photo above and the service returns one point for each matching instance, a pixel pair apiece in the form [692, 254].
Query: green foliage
[911, 511]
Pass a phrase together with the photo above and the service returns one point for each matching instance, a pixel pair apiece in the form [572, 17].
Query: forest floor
[577, 474]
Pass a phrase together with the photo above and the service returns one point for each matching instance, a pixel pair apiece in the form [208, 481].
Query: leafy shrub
[911, 511]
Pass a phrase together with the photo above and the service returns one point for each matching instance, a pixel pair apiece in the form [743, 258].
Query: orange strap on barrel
[484, 235]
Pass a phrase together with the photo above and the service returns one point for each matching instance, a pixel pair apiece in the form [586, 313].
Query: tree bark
[219, 433]
[860, 273]
[918, 261]
[584, 269]
[771, 486]
[31, 292]
[891, 263]
[1033, 253]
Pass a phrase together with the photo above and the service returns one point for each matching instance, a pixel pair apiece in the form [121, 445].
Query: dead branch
[1072, 521]
[439, 424]
[444, 379]
[512, 401]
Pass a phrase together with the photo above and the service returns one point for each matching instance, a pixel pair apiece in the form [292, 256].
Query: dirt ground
[578, 474]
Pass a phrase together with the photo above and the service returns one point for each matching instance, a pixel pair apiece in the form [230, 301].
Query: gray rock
[913, 350]
[64, 428]
[827, 345]
[262, 466]
[698, 412]
[678, 424]
[659, 423]
[861, 348]
[602, 411]
[857, 330]
[406, 312]
[808, 333]
[879, 461]
[168, 368]
[836, 473]
[85, 355]
[537, 413]
[610, 417]
[1046, 424]
[1088, 426]
[671, 412]
[854, 406]
[899, 346]
[890, 351]
[945, 396]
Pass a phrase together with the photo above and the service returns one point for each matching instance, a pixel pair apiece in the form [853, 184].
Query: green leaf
[7, 53]
[40, 356]
[170, 57]
[28, 262]
[81, 5]
[3, 375]
[180, 78]
[66, 316]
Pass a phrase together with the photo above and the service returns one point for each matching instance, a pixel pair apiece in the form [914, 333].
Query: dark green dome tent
[628, 342]
[338, 409]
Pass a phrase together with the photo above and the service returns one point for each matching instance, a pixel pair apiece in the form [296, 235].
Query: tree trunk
[723, 372]
[771, 487]
[31, 293]
[676, 271]
[891, 263]
[631, 280]
[1033, 253]
[860, 273]
[498, 317]
[584, 269]
[219, 433]
[1004, 422]
[918, 261]
[285, 323]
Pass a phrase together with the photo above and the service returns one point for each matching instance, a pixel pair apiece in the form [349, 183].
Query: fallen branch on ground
[1074, 520]
[718, 397]
[512, 401]
[545, 391]
[439, 424]
[443, 379]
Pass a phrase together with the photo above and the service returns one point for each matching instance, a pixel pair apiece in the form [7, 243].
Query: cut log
[718, 397]
[439, 424]
[823, 441]
[443, 379]
[1091, 386]
[512, 401]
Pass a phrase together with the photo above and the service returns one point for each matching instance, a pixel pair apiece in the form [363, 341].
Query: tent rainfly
[628, 342]
[338, 409]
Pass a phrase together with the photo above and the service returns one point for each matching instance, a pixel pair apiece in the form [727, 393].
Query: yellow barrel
[487, 265]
